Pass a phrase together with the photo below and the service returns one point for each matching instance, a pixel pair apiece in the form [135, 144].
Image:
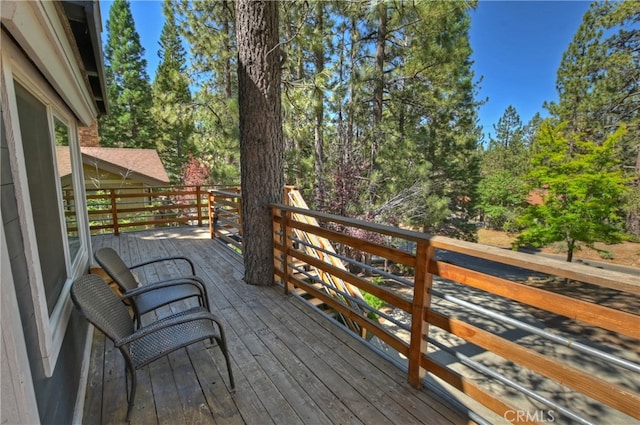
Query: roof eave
[85, 22]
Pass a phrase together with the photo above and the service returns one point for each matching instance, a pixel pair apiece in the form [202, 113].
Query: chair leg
[132, 395]
[204, 302]
[225, 353]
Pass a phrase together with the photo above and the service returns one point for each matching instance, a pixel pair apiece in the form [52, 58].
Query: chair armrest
[164, 284]
[195, 280]
[158, 260]
[196, 313]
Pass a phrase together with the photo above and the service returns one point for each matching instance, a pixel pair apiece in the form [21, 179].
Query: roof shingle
[145, 163]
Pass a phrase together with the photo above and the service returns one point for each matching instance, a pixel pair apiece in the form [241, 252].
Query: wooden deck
[291, 364]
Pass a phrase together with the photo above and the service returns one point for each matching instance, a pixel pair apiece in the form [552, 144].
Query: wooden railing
[485, 321]
[541, 328]
[225, 216]
[136, 208]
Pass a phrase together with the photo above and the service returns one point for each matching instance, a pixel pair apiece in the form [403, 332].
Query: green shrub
[372, 300]
[605, 255]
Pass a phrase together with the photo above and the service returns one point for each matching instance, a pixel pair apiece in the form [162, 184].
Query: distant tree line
[378, 100]
[379, 107]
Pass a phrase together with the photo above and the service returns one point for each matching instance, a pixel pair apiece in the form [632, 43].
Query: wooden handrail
[587, 314]
[225, 216]
[291, 253]
[137, 208]
[580, 272]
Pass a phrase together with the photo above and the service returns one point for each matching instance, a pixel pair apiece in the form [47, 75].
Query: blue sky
[517, 47]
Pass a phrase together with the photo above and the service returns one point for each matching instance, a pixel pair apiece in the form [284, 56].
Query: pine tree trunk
[378, 95]
[226, 76]
[261, 138]
[381, 40]
[320, 189]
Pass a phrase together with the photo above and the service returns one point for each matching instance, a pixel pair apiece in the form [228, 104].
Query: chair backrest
[111, 262]
[101, 306]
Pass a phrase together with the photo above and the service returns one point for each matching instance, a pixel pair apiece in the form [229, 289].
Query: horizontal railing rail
[529, 337]
[135, 208]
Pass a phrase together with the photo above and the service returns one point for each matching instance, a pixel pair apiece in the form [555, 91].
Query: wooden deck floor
[291, 365]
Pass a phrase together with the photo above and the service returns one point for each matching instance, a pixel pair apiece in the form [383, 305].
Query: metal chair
[105, 310]
[164, 292]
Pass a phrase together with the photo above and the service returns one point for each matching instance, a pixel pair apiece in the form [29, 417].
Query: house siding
[56, 396]
[102, 179]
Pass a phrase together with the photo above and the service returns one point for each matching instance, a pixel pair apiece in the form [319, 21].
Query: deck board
[291, 365]
[93, 403]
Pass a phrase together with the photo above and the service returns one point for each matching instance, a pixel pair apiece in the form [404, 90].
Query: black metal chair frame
[148, 297]
[139, 347]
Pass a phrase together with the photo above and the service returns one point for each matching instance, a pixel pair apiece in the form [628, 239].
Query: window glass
[43, 191]
[65, 171]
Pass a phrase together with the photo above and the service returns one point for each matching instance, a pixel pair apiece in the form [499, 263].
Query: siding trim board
[16, 374]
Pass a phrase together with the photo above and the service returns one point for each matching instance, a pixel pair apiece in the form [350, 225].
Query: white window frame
[74, 265]
[50, 328]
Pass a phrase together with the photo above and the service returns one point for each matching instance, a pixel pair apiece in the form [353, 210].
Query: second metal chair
[148, 297]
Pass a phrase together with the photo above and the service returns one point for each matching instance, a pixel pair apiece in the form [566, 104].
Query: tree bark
[378, 96]
[381, 40]
[261, 137]
[320, 189]
[228, 69]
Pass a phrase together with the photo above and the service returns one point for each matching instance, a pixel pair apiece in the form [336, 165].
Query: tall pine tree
[261, 139]
[378, 104]
[172, 103]
[503, 189]
[130, 123]
[426, 166]
[209, 29]
[307, 28]
[598, 84]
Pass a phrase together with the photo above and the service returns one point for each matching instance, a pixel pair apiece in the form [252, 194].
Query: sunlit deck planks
[291, 365]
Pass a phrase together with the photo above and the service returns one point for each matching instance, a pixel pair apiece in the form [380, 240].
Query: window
[41, 178]
[46, 165]
[65, 173]
[44, 98]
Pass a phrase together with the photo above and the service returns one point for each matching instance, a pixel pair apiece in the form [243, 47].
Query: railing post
[287, 244]
[240, 215]
[199, 205]
[114, 212]
[421, 302]
[212, 214]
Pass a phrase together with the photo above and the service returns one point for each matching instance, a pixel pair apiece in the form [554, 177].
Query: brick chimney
[88, 136]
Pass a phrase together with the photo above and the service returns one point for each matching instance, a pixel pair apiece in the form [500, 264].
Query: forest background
[380, 108]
